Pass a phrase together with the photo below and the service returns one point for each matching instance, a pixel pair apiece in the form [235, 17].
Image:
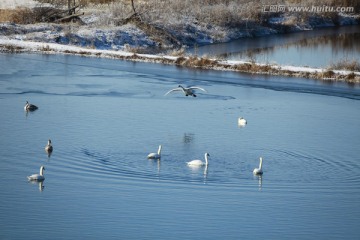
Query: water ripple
[315, 167]
[115, 166]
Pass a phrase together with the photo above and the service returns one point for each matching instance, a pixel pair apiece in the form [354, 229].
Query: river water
[104, 116]
[319, 48]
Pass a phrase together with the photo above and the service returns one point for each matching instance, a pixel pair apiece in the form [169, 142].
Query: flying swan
[258, 171]
[49, 147]
[188, 91]
[199, 162]
[30, 107]
[38, 177]
[155, 155]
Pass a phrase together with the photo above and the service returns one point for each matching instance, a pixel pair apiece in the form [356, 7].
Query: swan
[242, 121]
[199, 162]
[259, 171]
[155, 155]
[38, 177]
[30, 107]
[188, 91]
[49, 147]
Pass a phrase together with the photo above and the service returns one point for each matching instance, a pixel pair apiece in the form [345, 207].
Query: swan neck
[41, 171]
[206, 159]
[184, 90]
[159, 150]
[260, 165]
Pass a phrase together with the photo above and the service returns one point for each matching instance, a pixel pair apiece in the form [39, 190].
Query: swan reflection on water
[40, 184]
[196, 169]
[188, 137]
[49, 155]
[27, 112]
[158, 166]
[259, 177]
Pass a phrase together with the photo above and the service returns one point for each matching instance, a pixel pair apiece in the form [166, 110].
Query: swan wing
[195, 163]
[35, 177]
[48, 148]
[257, 171]
[32, 177]
[153, 156]
[31, 106]
[199, 88]
[173, 90]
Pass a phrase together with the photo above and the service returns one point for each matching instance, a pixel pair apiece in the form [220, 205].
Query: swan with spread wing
[188, 91]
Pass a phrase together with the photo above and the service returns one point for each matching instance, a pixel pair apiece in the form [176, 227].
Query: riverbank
[157, 26]
[162, 33]
[19, 46]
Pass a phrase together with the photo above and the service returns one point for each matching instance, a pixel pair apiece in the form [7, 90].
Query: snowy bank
[19, 46]
[110, 38]
[161, 31]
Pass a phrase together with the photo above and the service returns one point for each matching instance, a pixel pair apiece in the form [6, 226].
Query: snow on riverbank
[111, 38]
[17, 45]
[97, 34]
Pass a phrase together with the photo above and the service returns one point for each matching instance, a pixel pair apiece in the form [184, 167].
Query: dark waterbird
[30, 107]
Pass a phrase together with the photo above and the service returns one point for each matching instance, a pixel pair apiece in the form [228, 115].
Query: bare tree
[71, 8]
[133, 6]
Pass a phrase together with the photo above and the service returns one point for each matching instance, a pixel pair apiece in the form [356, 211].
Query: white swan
[49, 147]
[259, 171]
[155, 155]
[242, 121]
[38, 177]
[199, 162]
[30, 107]
[188, 91]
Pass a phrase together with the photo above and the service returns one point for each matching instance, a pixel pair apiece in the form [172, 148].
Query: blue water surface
[104, 116]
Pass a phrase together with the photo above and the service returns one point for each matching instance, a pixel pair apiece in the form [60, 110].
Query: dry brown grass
[180, 60]
[196, 62]
[346, 64]
[22, 15]
[254, 68]
[216, 12]
[11, 48]
[328, 74]
[6, 15]
[351, 76]
[17, 15]
[177, 52]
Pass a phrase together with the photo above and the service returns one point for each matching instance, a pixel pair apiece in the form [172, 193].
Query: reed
[346, 64]
[17, 15]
